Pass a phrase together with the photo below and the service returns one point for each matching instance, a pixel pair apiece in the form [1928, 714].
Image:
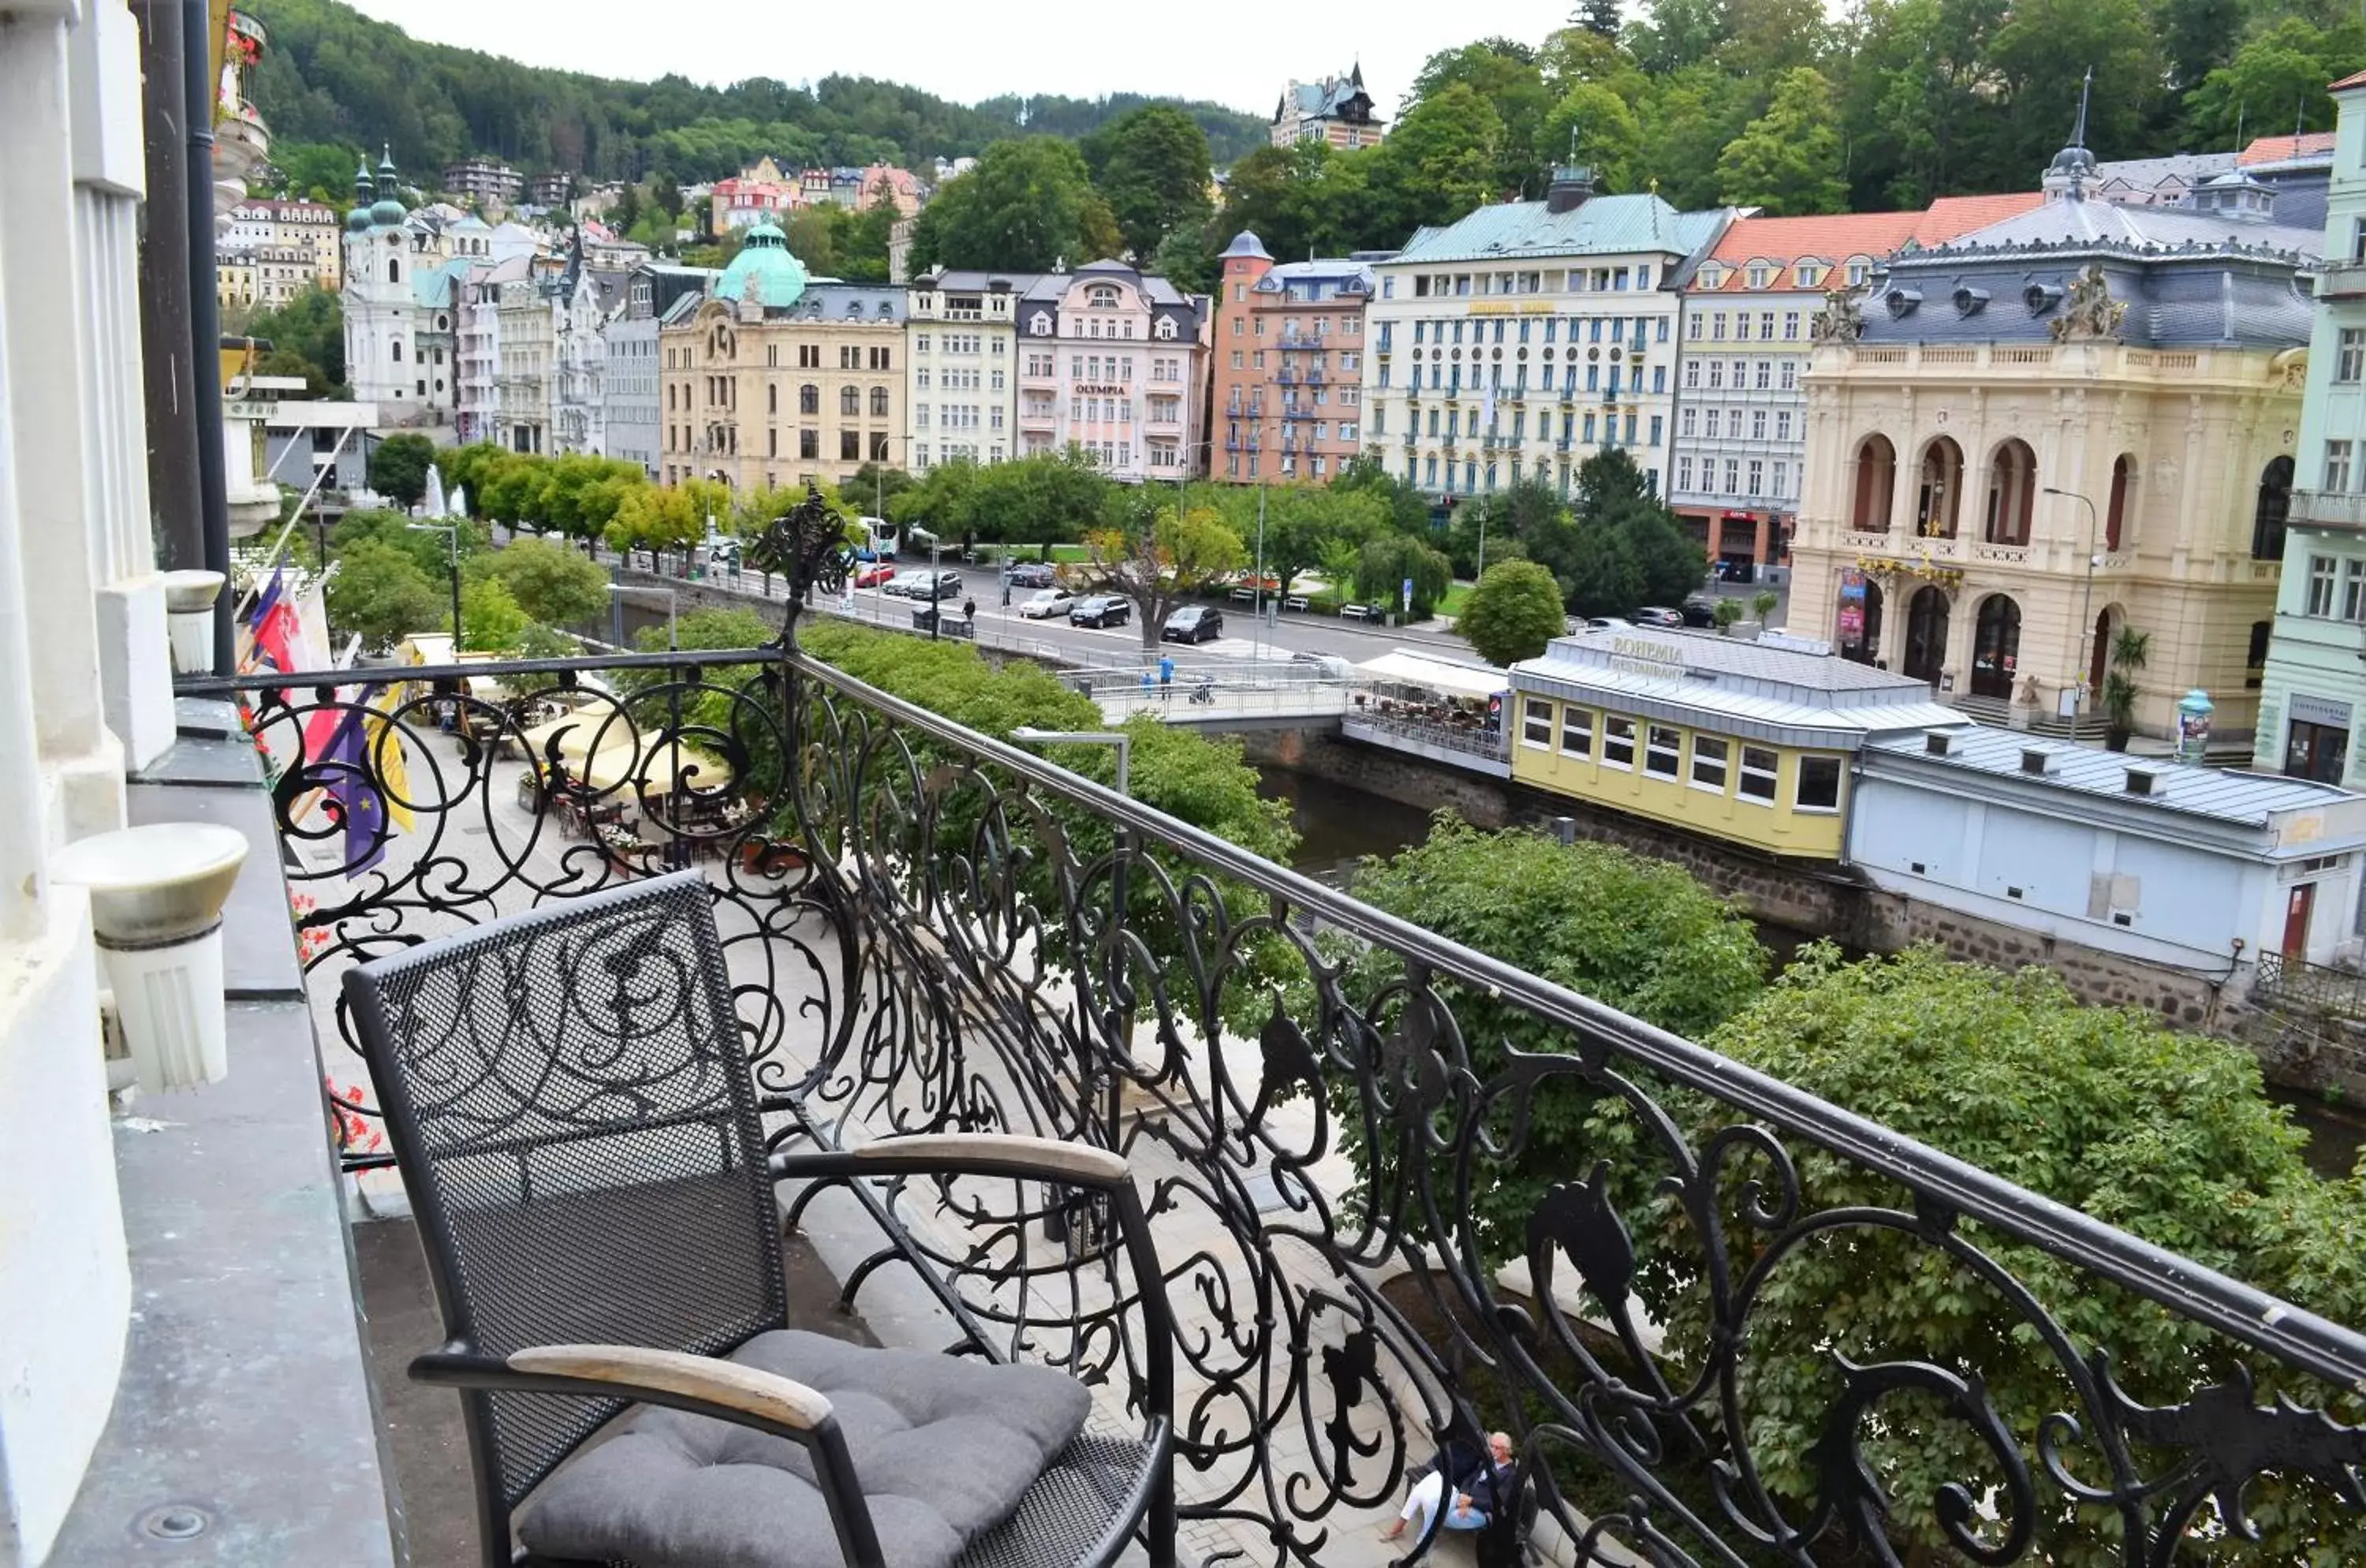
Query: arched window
[2115, 515]
[397, 351]
[850, 401]
[2012, 494]
[1877, 482]
[393, 269]
[809, 399]
[771, 399]
[1996, 647]
[879, 402]
[2273, 506]
[1939, 489]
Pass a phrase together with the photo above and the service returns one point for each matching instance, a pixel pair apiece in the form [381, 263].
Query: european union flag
[344, 774]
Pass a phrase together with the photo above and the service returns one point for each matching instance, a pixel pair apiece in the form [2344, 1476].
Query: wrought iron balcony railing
[929, 928]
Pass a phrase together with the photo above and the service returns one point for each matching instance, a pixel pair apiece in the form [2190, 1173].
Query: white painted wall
[2189, 899]
[85, 682]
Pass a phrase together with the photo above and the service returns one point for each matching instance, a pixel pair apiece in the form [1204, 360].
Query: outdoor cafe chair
[573, 1117]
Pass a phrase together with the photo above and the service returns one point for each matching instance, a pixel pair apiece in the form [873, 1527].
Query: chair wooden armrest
[704, 1385]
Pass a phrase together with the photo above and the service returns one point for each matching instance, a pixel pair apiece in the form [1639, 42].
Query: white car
[1045, 602]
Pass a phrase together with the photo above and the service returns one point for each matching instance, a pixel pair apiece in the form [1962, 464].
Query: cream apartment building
[1521, 340]
[962, 366]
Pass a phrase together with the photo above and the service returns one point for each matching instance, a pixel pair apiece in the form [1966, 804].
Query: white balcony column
[64, 1279]
[49, 363]
[135, 664]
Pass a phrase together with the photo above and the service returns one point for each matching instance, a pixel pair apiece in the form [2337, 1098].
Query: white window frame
[1711, 754]
[1800, 784]
[1673, 751]
[1577, 721]
[1535, 711]
[1770, 770]
[1618, 734]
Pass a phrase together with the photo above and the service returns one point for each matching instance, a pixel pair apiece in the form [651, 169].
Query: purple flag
[344, 774]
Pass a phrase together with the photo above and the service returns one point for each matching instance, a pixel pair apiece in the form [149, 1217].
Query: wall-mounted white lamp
[189, 599]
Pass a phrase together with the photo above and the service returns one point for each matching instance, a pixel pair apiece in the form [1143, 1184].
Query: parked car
[1602, 623]
[1659, 616]
[874, 574]
[1700, 610]
[919, 582]
[1045, 602]
[1193, 622]
[1027, 574]
[1101, 610]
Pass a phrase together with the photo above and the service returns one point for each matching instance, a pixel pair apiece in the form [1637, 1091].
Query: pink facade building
[1116, 362]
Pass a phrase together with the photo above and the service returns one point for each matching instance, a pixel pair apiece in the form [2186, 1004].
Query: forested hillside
[334, 76]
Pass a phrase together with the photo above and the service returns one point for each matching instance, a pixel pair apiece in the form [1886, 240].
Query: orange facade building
[1288, 366]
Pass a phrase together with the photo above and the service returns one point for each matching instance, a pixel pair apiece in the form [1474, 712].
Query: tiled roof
[1952, 216]
[2141, 228]
[1605, 225]
[2149, 174]
[1833, 238]
[2348, 82]
[2287, 149]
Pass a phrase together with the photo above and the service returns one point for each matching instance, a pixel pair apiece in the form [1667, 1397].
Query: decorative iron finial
[2086, 90]
[807, 546]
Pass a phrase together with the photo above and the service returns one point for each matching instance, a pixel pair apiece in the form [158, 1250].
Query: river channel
[1338, 825]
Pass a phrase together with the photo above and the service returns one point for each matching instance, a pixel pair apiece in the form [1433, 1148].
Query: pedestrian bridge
[1226, 694]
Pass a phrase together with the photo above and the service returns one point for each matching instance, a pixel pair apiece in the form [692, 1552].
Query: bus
[874, 539]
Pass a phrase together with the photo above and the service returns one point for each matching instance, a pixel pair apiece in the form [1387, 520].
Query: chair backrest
[573, 1117]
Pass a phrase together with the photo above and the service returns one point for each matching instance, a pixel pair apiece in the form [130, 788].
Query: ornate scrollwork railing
[929, 928]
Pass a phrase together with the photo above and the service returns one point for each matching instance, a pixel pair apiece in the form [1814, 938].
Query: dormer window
[1039, 324]
[1809, 273]
[1103, 298]
[1860, 273]
[1165, 327]
[1760, 275]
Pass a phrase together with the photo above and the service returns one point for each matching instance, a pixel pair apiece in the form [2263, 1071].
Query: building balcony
[2342, 280]
[918, 949]
[2329, 509]
[1288, 376]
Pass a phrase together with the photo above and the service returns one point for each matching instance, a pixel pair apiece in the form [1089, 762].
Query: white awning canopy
[1447, 676]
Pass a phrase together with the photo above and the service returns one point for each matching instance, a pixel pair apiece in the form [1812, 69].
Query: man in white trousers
[1492, 1481]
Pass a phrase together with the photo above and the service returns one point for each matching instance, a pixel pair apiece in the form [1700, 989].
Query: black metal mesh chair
[580, 1140]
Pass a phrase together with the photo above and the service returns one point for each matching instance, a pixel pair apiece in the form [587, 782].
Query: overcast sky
[968, 52]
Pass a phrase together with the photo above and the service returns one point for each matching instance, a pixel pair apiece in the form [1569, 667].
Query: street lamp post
[451, 532]
[1256, 605]
[673, 639]
[2086, 610]
[1027, 735]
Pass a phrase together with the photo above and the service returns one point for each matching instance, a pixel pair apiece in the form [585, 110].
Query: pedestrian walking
[1165, 678]
[969, 608]
[1006, 593]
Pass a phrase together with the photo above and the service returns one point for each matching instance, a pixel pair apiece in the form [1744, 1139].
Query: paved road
[1122, 646]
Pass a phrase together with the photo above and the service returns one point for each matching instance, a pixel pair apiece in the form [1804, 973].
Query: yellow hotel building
[1751, 743]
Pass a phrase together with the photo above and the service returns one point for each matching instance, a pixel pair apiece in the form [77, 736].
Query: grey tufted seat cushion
[943, 1447]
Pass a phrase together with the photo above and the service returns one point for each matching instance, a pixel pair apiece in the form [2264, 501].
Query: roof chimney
[1573, 184]
[1937, 742]
[2144, 781]
[2036, 760]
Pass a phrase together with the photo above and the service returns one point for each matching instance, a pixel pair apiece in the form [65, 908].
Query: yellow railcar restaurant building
[1749, 742]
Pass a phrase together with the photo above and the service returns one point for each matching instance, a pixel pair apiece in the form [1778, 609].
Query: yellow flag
[384, 741]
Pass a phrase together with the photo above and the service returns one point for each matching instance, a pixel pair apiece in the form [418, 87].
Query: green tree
[1390, 561]
[1505, 76]
[1443, 159]
[1635, 933]
[1600, 131]
[2101, 1109]
[1049, 499]
[311, 327]
[1602, 578]
[1599, 16]
[860, 239]
[305, 166]
[381, 595]
[1160, 561]
[1513, 612]
[1670, 563]
[1788, 162]
[1152, 167]
[491, 620]
[398, 469]
[1309, 199]
[1299, 521]
[1026, 206]
[1406, 509]
[2277, 75]
[551, 583]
